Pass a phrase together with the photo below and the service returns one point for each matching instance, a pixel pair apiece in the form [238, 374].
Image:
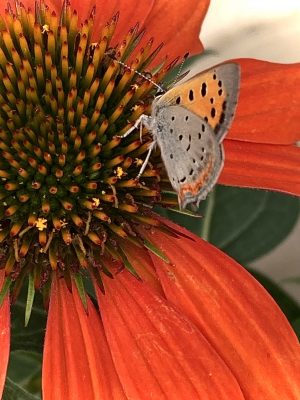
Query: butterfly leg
[151, 147]
[142, 121]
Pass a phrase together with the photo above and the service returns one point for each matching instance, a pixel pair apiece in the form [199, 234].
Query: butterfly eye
[160, 92]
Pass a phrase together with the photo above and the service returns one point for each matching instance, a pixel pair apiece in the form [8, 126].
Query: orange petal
[77, 363]
[265, 166]
[157, 351]
[177, 24]
[235, 314]
[268, 109]
[4, 336]
[131, 12]
[143, 265]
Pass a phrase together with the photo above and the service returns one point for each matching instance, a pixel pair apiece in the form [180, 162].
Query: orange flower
[179, 319]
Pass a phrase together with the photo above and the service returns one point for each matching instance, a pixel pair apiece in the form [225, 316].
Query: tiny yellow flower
[41, 224]
[96, 201]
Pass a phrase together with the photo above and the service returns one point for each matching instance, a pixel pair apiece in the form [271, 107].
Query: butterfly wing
[211, 95]
[191, 153]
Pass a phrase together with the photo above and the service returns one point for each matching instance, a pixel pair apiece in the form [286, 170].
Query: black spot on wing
[203, 89]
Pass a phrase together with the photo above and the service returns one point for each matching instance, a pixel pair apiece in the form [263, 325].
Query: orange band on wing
[193, 188]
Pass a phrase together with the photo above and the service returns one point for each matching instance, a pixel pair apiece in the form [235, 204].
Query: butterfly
[188, 123]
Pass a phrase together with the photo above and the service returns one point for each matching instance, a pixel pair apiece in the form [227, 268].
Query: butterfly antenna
[178, 75]
[160, 88]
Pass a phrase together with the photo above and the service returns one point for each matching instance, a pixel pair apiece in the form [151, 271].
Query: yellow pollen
[46, 28]
[41, 224]
[96, 201]
[138, 162]
[119, 172]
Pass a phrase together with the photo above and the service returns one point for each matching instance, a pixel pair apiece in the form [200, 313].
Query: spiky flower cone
[68, 190]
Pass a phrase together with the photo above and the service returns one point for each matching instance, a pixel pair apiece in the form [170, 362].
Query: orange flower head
[69, 190]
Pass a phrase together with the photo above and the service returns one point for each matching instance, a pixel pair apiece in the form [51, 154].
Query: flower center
[68, 189]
